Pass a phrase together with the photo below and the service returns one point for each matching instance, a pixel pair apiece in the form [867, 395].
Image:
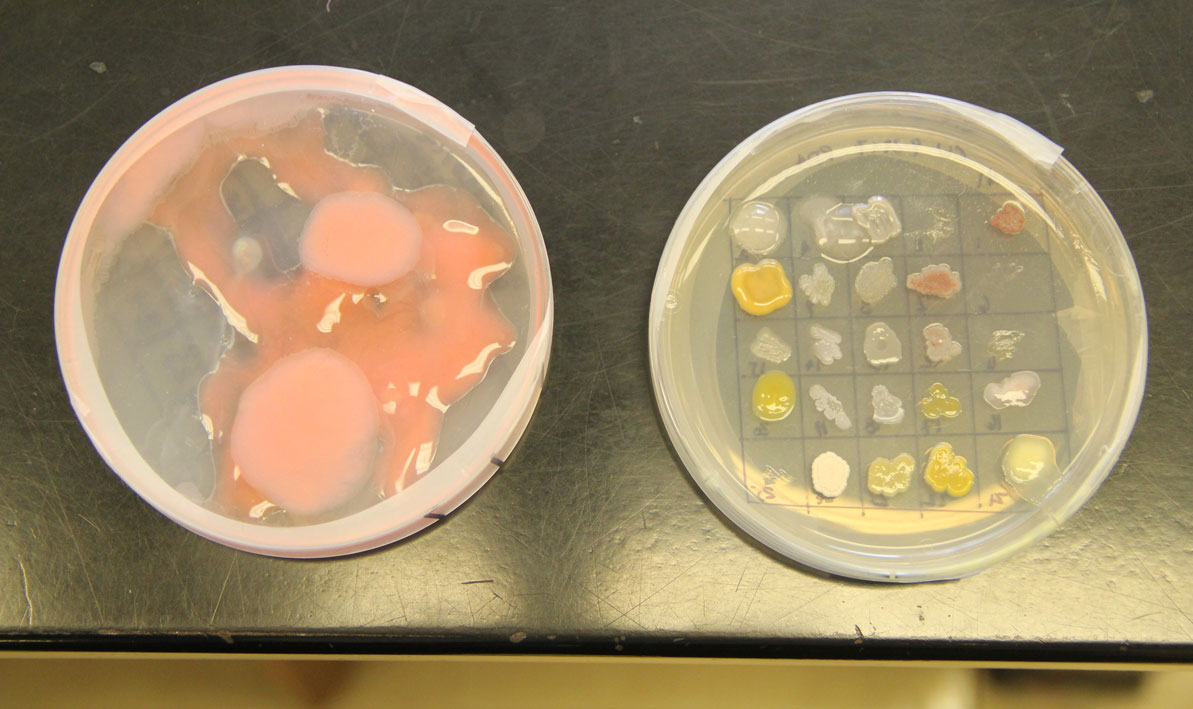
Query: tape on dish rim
[1033, 144]
[427, 109]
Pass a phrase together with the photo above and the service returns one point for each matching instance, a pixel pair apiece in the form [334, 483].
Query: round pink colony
[306, 431]
[363, 238]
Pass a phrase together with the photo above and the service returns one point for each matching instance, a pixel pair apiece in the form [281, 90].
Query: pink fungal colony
[356, 354]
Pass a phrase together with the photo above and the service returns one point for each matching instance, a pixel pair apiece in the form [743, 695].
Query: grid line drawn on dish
[859, 475]
[751, 429]
[798, 257]
[973, 404]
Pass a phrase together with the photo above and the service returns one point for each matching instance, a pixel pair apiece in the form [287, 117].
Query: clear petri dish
[304, 311]
[1042, 351]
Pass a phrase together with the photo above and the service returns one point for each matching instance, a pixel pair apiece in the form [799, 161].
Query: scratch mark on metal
[657, 591]
[73, 119]
[25, 588]
[1171, 222]
[223, 589]
[609, 387]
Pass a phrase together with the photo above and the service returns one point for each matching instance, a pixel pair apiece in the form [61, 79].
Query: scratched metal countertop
[592, 538]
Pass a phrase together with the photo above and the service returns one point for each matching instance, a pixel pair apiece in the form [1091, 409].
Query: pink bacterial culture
[937, 280]
[336, 387]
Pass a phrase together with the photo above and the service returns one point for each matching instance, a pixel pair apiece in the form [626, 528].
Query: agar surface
[819, 285]
[774, 396]
[936, 280]
[946, 471]
[939, 403]
[939, 344]
[874, 280]
[1016, 389]
[830, 474]
[888, 477]
[943, 227]
[826, 344]
[761, 288]
[768, 346]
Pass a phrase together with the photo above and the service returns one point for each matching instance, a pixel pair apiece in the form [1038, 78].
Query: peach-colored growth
[363, 238]
[937, 280]
[1009, 219]
[305, 433]
[422, 341]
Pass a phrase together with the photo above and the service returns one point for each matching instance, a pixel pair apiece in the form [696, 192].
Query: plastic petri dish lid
[185, 275]
[1059, 298]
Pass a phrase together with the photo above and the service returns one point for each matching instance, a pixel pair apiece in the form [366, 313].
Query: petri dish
[304, 311]
[880, 187]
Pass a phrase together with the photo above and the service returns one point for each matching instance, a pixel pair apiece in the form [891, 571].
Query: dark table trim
[859, 648]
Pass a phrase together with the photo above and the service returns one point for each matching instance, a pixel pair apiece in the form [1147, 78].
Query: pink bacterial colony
[360, 350]
[937, 280]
